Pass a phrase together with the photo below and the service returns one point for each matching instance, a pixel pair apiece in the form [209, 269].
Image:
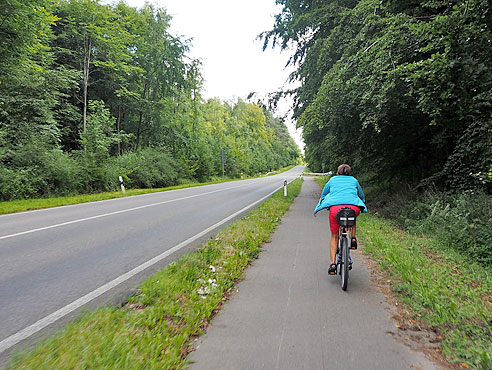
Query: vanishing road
[57, 261]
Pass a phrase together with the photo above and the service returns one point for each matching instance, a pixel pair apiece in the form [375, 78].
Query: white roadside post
[122, 186]
[285, 187]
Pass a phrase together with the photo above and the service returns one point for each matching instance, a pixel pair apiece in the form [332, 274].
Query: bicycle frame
[343, 254]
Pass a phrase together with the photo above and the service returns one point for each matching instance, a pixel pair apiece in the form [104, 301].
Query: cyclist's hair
[344, 169]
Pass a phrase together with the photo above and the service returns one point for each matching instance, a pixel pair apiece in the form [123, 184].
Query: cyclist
[341, 191]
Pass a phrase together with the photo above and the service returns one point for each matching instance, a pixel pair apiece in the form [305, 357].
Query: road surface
[56, 262]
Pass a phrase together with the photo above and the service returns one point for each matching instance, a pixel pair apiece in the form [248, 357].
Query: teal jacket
[342, 190]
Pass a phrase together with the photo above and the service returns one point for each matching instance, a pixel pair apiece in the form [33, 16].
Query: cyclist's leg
[332, 270]
[334, 232]
[333, 246]
[353, 239]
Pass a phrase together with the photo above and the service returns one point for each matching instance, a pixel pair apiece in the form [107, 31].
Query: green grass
[156, 328]
[450, 296]
[440, 289]
[281, 170]
[322, 180]
[33, 204]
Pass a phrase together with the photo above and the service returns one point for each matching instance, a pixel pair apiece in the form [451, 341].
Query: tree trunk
[118, 128]
[85, 82]
[140, 119]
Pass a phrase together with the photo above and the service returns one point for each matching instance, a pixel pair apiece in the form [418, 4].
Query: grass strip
[22, 205]
[439, 290]
[155, 329]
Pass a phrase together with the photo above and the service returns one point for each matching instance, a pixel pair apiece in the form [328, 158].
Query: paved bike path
[289, 314]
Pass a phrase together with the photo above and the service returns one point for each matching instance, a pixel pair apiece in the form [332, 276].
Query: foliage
[457, 222]
[147, 168]
[90, 92]
[155, 329]
[397, 88]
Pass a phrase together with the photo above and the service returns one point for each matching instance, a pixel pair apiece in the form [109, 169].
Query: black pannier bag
[346, 217]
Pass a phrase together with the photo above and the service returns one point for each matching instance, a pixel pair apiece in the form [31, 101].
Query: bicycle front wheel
[345, 262]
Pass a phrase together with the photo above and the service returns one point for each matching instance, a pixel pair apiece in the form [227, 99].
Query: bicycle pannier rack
[346, 217]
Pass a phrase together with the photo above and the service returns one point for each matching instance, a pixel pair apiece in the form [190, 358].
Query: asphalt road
[289, 314]
[56, 262]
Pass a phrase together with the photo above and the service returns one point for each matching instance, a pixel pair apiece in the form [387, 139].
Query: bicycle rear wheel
[345, 262]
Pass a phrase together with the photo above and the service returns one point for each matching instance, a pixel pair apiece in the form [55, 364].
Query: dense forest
[90, 92]
[402, 91]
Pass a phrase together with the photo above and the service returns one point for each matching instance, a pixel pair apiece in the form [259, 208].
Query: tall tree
[394, 87]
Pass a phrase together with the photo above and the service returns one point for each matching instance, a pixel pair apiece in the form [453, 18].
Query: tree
[393, 86]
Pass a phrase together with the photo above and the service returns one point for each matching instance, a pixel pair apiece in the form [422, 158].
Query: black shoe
[332, 270]
[353, 243]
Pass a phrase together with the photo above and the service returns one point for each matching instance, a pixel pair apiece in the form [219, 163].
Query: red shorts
[333, 215]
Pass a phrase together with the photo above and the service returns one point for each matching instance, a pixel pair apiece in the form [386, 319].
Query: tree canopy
[400, 89]
[90, 92]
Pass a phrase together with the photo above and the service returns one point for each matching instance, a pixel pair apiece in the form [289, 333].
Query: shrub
[16, 184]
[48, 173]
[459, 222]
[61, 172]
[148, 168]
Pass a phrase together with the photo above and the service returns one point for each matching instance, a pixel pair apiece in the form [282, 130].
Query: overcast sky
[223, 34]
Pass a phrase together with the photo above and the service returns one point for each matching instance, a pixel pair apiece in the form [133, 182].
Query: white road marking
[117, 212]
[50, 319]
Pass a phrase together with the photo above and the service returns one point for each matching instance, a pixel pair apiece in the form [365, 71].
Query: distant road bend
[54, 261]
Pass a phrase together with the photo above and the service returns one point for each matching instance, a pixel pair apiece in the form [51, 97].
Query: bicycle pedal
[353, 243]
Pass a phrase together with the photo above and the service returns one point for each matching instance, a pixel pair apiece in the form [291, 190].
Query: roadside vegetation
[91, 91]
[435, 258]
[40, 203]
[441, 290]
[155, 328]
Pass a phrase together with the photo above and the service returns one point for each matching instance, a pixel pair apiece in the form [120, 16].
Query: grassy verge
[32, 204]
[440, 290]
[280, 171]
[155, 329]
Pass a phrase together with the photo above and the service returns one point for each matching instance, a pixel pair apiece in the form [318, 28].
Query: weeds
[452, 297]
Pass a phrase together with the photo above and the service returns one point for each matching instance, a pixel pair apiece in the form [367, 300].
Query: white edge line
[50, 319]
[120, 198]
[118, 212]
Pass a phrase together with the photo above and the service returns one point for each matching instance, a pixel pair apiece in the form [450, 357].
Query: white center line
[48, 320]
[118, 212]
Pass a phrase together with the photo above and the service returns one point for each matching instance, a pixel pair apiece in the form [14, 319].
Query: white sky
[224, 33]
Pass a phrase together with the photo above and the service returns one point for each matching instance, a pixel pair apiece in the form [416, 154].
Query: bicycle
[346, 220]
